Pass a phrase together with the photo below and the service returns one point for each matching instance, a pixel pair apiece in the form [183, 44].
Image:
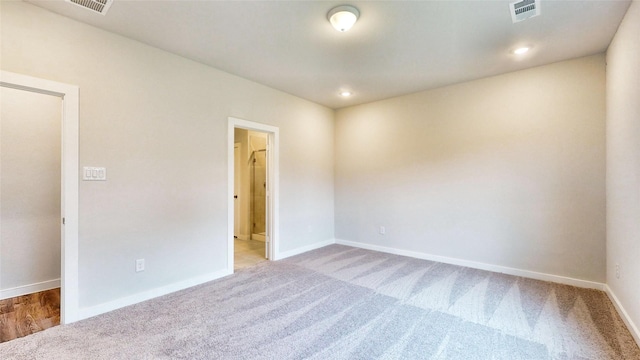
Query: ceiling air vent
[97, 6]
[522, 10]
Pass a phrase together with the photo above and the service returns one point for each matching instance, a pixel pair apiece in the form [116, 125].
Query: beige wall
[158, 123]
[507, 170]
[623, 164]
[30, 141]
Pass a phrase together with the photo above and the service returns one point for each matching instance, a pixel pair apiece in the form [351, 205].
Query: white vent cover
[97, 6]
[522, 10]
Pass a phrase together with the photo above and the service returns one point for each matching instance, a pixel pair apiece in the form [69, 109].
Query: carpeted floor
[344, 303]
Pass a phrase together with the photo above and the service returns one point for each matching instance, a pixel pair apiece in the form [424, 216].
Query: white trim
[273, 180]
[633, 329]
[304, 249]
[29, 289]
[88, 312]
[478, 265]
[69, 299]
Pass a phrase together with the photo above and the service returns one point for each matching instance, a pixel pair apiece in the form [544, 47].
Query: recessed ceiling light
[520, 51]
[345, 93]
[343, 17]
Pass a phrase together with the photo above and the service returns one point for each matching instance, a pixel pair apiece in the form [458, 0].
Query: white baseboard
[88, 312]
[633, 329]
[482, 266]
[478, 265]
[304, 249]
[29, 289]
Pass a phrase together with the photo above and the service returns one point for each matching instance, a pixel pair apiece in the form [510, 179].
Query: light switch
[91, 173]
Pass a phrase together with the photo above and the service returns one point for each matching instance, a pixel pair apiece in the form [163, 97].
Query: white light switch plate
[91, 173]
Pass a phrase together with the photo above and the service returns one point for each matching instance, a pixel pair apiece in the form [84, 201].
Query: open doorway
[39, 168]
[30, 214]
[253, 178]
[250, 198]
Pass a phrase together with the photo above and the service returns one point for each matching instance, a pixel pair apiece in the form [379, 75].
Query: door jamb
[273, 178]
[69, 292]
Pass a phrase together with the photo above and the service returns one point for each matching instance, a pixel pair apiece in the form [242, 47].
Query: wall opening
[65, 218]
[250, 197]
[253, 193]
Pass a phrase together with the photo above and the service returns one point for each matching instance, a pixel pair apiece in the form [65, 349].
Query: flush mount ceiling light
[343, 17]
[521, 50]
[345, 93]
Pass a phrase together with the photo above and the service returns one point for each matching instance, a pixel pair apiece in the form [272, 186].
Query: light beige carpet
[344, 303]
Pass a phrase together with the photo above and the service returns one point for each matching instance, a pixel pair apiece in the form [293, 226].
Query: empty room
[210, 179]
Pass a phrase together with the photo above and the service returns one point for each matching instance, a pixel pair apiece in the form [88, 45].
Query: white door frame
[273, 178]
[69, 297]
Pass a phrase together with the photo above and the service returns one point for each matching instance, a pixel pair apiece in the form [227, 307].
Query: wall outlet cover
[139, 265]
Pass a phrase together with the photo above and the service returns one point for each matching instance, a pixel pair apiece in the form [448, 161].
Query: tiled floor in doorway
[247, 253]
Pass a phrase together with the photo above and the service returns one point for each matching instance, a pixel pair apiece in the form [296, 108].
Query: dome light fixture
[343, 17]
[345, 93]
[521, 51]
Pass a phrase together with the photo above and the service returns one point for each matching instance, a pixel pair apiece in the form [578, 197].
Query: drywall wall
[30, 138]
[158, 123]
[507, 170]
[623, 164]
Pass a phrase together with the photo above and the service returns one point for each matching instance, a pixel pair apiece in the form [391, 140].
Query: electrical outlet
[139, 265]
[382, 230]
[617, 271]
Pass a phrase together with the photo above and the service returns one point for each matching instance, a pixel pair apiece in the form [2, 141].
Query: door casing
[69, 292]
[273, 176]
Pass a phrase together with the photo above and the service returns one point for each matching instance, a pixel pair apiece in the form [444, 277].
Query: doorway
[30, 226]
[250, 200]
[253, 179]
[61, 207]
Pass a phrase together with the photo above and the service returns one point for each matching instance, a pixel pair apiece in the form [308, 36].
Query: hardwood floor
[28, 314]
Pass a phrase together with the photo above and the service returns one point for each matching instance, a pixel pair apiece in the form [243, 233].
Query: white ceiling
[395, 48]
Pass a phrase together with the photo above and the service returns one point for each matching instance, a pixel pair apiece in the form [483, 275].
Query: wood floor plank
[27, 314]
